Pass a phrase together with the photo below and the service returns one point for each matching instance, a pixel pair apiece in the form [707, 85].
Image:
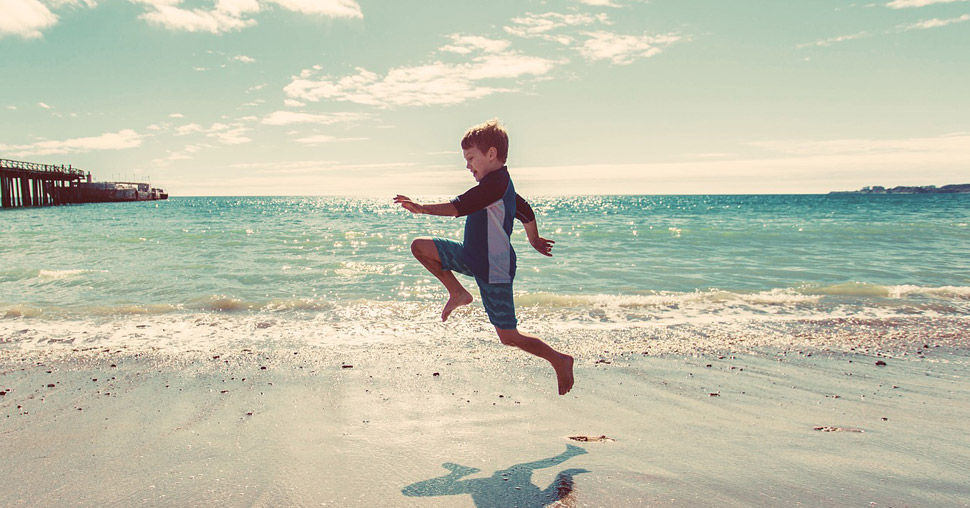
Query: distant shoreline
[924, 189]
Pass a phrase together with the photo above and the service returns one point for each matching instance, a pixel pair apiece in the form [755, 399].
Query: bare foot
[455, 301]
[564, 372]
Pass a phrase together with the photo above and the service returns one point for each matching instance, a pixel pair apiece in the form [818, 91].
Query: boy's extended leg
[425, 251]
[563, 363]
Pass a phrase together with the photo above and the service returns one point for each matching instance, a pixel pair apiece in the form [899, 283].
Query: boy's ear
[492, 153]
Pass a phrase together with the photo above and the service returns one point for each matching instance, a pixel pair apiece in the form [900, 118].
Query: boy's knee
[420, 246]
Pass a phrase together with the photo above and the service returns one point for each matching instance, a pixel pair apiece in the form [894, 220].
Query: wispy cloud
[187, 129]
[465, 44]
[292, 117]
[125, 138]
[232, 15]
[323, 138]
[234, 134]
[243, 59]
[329, 8]
[437, 83]
[936, 23]
[543, 25]
[225, 17]
[620, 49]
[834, 40]
[920, 25]
[624, 49]
[903, 4]
[599, 3]
[229, 134]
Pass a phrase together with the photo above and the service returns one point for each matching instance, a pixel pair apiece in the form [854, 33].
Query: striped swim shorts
[497, 298]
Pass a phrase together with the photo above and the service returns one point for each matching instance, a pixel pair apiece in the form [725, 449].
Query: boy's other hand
[407, 204]
[543, 245]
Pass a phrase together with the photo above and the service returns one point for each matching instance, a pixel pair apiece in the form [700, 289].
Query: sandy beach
[468, 422]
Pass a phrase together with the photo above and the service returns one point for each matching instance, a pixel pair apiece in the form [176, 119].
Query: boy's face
[481, 164]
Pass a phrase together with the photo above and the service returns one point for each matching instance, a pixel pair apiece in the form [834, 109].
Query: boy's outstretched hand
[408, 205]
[543, 245]
[445, 209]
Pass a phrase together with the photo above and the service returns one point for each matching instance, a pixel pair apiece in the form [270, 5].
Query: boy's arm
[444, 209]
[540, 244]
[524, 213]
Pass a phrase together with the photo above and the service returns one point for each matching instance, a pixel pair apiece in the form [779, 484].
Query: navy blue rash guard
[491, 207]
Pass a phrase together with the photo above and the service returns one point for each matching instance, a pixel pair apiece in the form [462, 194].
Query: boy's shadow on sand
[510, 487]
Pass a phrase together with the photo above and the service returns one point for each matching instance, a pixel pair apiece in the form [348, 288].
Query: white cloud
[44, 105]
[322, 138]
[465, 44]
[185, 154]
[25, 18]
[599, 3]
[331, 8]
[903, 4]
[293, 103]
[166, 14]
[438, 83]
[243, 59]
[231, 15]
[176, 115]
[233, 7]
[593, 45]
[125, 138]
[832, 40]
[936, 23]
[57, 4]
[188, 129]
[292, 117]
[540, 25]
[624, 49]
[228, 134]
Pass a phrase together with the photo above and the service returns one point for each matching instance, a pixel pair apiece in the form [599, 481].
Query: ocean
[192, 271]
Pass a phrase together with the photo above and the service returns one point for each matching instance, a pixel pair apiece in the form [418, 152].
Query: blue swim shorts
[497, 298]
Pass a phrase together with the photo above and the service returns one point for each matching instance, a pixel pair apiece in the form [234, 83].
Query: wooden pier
[32, 184]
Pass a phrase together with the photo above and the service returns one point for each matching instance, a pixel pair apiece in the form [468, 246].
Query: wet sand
[482, 426]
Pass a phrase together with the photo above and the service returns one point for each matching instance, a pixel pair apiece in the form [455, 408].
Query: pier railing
[7, 164]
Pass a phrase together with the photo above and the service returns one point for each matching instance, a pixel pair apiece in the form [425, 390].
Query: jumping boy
[486, 252]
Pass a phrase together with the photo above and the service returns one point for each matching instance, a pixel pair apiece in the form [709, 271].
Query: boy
[486, 252]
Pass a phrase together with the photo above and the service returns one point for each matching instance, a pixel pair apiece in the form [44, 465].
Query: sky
[359, 97]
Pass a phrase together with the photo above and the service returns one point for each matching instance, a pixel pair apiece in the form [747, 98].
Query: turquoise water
[617, 259]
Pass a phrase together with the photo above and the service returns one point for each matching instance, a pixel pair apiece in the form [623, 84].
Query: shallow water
[342, 264]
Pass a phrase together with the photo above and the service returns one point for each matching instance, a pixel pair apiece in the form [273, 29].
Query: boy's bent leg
[562, 363]
[425, 250]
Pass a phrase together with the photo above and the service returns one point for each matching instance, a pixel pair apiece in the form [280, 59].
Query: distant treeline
[902, 189]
